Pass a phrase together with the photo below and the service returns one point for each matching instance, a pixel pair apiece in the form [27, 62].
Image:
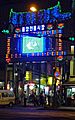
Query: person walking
[25, 98]
[42, 99]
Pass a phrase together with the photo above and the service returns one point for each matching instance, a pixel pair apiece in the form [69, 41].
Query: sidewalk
[62, 108]
[67, 108]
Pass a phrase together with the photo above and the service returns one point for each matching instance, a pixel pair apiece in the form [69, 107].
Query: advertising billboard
[33, 44]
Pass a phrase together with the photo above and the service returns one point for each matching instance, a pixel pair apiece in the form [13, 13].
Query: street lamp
[33, 9]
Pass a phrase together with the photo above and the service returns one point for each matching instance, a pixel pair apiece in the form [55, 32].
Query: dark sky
[24, 5]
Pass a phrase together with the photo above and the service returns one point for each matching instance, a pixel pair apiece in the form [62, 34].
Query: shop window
[69, 92]
[0, 95]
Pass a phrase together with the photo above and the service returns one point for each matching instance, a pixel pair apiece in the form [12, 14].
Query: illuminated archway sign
[31, 30]
[43, 16]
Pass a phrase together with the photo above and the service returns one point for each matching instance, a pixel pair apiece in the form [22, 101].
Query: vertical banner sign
[8, 51]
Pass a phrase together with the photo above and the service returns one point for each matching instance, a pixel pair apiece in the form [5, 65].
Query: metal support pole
[46, 72]
[39, 75]
[54, 93]
[5, 86]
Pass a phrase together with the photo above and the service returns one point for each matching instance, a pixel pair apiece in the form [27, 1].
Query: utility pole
[73, 15]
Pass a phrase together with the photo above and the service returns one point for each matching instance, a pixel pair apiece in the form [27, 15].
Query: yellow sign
[43, 81]
[49, 80]
[28, 75]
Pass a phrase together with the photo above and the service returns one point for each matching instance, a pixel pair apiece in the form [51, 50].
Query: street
[37, 59]
[32, 113]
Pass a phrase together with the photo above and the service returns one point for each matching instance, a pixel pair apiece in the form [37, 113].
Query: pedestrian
[33, 97]
[74, 100]
[25, 98]
[42, 99]
[48, 99]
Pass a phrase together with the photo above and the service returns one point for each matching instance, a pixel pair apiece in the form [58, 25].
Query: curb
[58, 108]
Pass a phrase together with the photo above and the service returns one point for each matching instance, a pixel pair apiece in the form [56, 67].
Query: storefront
[69, 93]
[1, 85]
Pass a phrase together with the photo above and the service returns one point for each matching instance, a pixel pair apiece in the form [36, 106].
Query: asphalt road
[32, 113]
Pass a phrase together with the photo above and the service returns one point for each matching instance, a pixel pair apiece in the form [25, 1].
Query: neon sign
[8, 51]
[33, 28]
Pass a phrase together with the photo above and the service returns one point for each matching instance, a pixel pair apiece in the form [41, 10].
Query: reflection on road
[35, 113]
